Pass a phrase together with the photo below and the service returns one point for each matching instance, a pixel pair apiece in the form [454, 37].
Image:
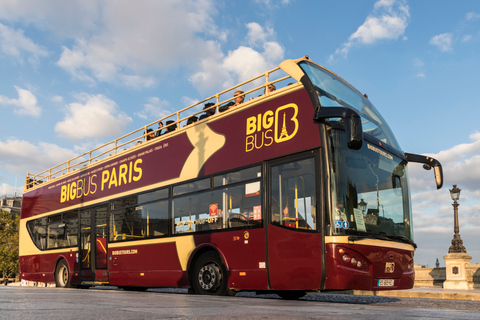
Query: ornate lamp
[362, 205]
[457, 243]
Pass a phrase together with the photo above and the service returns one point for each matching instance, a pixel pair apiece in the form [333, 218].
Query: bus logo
[266, 128]
[389, 267]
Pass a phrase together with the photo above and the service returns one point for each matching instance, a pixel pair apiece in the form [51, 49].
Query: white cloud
[443, 41]
[472, 15]
[95, 116]
[164, 35]
[466, 38]
[154, 109]
[63, 18]
[272, 4]
[14, 43]
[26, 104]
[20, 156]
[257, 35]
[242, 63]
[6, 189]
[435, 242]
[418, 63]
[57, 99]
[461, 166]
[421, 75]
[388, 21]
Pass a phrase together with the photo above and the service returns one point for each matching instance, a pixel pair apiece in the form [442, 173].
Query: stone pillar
[456, 273]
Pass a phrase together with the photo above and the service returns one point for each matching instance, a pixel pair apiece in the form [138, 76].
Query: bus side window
[38, 232]
[155, 219]
[293, 194]
[126, 224]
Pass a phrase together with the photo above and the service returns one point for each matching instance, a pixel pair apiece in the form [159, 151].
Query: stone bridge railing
[434, 277]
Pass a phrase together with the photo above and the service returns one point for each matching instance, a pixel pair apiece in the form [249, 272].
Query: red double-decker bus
[303, 188]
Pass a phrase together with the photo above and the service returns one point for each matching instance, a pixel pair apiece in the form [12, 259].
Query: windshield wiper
[388, 237]
[370, 236]
[402, 238]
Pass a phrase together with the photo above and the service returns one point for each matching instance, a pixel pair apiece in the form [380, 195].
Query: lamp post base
[456, 271]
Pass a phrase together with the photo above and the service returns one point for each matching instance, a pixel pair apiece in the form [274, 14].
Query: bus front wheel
[62, 276]
[210, 275]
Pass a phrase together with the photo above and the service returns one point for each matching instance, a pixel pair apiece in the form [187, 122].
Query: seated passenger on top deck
[270, 88]
[239, 98]
[208, 110]
[171, 126]
[191, 120]
[150, 134]
[160, 128]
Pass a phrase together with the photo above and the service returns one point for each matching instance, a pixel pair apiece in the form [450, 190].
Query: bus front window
[333, 91]
[370, 194]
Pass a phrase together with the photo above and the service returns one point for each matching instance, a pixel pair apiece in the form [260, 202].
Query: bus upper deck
[255, 89]
[324, 87]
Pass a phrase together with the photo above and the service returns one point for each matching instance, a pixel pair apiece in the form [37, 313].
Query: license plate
[385, 282]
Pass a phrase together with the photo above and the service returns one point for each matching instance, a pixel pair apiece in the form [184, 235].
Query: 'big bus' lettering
[114, 177]
[266, 128]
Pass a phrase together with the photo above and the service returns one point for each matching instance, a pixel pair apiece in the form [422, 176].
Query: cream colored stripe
[369, 242]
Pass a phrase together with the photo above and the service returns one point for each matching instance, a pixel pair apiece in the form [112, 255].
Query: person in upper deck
[160, 128]
[171, 126]
[208, 110]
[150, 134]
[191, 120]
[270, 88]
[239, 97]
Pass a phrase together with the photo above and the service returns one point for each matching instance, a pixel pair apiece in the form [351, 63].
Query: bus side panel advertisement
[277, 127]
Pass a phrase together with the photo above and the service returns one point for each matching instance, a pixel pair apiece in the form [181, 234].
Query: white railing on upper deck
[254, 86]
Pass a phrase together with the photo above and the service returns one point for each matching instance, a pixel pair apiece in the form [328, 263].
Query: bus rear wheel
[210, 275]
[62, 275]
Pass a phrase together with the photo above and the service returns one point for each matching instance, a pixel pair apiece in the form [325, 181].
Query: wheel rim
[63, 276]
[209, 276]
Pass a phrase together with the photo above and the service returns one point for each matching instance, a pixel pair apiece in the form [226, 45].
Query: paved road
[55, 303]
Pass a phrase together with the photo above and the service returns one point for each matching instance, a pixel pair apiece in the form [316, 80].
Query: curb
[426, 294]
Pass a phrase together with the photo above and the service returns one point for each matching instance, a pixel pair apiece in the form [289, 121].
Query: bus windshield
[335, 92]
[370, 193]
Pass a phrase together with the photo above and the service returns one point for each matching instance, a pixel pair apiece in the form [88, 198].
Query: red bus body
[267, 257]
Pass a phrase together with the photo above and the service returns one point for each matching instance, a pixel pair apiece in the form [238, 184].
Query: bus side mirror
[428, 163]
[351, 122]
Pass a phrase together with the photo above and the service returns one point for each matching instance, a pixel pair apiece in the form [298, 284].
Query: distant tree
[9, 226]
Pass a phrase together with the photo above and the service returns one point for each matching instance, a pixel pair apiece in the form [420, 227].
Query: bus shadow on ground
[327, 297]
[317, 297]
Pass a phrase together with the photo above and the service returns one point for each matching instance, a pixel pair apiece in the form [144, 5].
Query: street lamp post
[457, 243]
[362, 205]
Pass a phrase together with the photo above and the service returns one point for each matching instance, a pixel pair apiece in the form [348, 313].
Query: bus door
[93, 244]
[293, 238]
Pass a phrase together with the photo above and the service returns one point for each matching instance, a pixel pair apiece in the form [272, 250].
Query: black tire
[62, 275]
[291, 295]
[210, 275]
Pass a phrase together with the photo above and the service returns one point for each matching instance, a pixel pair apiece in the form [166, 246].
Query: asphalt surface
[113, 303]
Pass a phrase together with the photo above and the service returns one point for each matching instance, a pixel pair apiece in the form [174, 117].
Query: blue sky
[78, 73]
